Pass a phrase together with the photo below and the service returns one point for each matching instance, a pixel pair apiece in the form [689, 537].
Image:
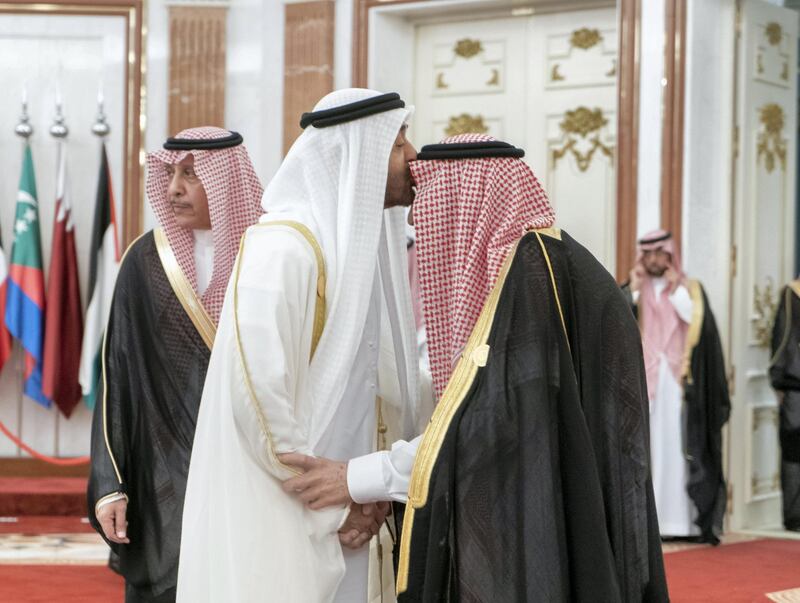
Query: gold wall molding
[555, 73]
[466, 124]
[440, 83]
[765, 304]
[582, 125]
[308, 61]
[774, 33]
[585, 38]
[468, 48]
[771, 144]
[134, 65]
[196, 66]
[495, 79]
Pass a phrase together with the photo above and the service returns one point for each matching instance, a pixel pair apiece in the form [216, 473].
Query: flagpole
[24, 130]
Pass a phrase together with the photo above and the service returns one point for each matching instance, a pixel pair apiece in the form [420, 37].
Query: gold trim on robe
[319, 325]
[105, 384]
[793, 287]
[695, 327]
[474, 356]
[184, 291]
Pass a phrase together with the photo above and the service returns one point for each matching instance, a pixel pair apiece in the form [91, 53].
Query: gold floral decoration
[440, 83]
[771, 144]
[555, 73]
[582, 124]
[585, 38]
[466, 124]
[468, 48]
[764, 307]
[774, 33]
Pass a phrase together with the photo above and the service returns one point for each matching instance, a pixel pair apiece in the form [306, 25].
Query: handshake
[323, 483]
[363, 522]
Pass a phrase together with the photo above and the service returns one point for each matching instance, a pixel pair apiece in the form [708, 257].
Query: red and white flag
[64, 319]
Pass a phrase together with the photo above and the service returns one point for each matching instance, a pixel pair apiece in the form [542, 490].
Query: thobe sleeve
[383, 475]
[274, 308]
[682, 302]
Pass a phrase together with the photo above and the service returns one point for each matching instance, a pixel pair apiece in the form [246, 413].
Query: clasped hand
[323, 483]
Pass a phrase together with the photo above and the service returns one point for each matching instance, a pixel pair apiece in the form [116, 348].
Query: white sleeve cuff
[365, 478]
[635, 296]
[682, 302]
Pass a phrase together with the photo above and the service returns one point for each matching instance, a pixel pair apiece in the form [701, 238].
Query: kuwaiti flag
[64, 319]
[103, 266]
[25, 295]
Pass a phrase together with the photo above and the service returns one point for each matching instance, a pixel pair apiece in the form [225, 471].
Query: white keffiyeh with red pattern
[468, 215]
[234, 202]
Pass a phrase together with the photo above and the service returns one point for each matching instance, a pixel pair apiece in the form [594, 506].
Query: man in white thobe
[316, 341]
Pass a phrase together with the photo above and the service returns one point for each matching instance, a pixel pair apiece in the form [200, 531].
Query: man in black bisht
[532, 482]
[166, 304]
[687, 389]
[784, 372]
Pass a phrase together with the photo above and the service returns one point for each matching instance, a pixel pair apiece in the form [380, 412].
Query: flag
[25, 294]
[64, 319]
[5, 336]
[103, 266]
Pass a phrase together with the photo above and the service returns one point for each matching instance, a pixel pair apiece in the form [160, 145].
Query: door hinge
[732, 381]
[730, 500]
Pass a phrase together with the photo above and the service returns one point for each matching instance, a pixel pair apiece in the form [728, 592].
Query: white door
[763, 234]
[546, 83]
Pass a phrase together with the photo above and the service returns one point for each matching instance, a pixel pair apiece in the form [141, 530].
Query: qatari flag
[64, 319]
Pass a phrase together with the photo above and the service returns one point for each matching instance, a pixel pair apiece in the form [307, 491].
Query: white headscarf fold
[333, 180]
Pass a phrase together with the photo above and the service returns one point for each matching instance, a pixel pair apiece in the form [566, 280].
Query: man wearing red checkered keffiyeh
[531, 482]
[167, 302]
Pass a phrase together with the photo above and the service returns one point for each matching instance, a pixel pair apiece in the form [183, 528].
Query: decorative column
[196, 64]
[308, 61]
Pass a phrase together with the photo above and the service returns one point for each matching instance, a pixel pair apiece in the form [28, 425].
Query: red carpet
[42, 496]
[61, 583]
[734, 573]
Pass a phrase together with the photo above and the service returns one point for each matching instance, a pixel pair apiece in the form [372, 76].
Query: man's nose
[175, 188]
[410, 152]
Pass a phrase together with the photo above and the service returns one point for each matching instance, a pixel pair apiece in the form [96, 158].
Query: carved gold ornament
[466, 124]
[613, 71]
[468, 48]
[785, 72]
[774, 33]
[577, 127]
[760, 64]
[765, 305]
[440, 83]
[770, 140]
[555, 74]
[495, 79]
[585, 38]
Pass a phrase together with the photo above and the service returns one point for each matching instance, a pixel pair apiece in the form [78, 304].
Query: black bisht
[146, 413]
[706, 409]
[533, 482]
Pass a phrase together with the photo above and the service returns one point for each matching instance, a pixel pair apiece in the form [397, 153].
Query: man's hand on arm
[111, 517]
[322, 484]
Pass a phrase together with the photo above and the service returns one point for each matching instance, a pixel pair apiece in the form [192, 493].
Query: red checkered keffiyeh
[468, 215]
[234, 202]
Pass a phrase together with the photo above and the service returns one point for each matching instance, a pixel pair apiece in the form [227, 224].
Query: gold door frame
[133, 11]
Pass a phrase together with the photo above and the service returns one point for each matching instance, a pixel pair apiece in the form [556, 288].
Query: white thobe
[203, 258]
[669, 467]
[244, 539]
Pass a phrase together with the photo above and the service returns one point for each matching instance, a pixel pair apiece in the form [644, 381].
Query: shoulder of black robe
[533, 484]
[784, 370]
[707, 410]
[154, 367]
